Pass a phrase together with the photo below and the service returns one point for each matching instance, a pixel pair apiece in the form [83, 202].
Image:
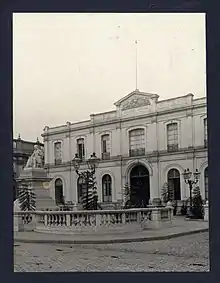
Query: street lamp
[86, 175]
[190, 179]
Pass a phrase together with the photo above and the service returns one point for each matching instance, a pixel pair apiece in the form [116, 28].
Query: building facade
[144, 142]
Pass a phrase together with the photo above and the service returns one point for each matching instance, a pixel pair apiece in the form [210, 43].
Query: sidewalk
[179, 228]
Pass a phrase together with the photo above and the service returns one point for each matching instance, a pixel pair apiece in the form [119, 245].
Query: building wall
[154, 117]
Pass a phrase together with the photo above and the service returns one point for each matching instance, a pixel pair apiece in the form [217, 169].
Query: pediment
[135, 99]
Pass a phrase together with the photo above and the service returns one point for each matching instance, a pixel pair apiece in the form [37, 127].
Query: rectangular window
[105, 140]
[57, 153]
[172, 137]
[136, 142]
[205, 133]
[81, 148]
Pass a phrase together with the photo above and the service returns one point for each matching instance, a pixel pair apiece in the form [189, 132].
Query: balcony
[58, 161]
[137, 152]
[105, 155]
[172, 147]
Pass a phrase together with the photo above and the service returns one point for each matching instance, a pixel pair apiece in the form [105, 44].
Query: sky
[67, 66]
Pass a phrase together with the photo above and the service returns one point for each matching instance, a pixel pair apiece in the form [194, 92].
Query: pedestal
[36, 178]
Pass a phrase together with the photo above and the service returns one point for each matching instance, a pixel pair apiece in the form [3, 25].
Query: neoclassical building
[144, 142]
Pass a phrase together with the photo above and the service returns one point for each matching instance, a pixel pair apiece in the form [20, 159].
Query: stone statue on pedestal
[36, 177]
[36, 160]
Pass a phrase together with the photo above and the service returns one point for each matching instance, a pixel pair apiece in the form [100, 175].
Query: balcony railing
[172, 147]
[105, 155]
[119, 221]
[58, 161]
[137, 152]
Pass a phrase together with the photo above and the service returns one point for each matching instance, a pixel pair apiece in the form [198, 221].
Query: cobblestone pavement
[188, 253]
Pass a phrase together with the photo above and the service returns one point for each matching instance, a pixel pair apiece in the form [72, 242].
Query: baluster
[110, 219]
[105, 219]
[58, 218]
[79, 220]
[54, 219]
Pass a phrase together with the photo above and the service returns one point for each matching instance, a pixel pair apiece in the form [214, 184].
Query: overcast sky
[68, 66]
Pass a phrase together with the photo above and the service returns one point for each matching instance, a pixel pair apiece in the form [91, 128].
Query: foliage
[164, 193]
[184, 209]
[26, 198]
[89, 199]
[170, 193]
[131, 197]
[174, 203]
[197, 204]
[126, 192]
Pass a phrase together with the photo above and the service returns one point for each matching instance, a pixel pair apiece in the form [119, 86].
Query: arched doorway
[106, 188]
[174, 191]
[59, 192]
[206, 183]
[81, 188]
[140, 186]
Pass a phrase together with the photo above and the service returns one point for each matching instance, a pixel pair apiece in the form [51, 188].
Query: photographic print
[110, 147]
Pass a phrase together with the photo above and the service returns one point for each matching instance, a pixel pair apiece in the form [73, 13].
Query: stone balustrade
[102, 221]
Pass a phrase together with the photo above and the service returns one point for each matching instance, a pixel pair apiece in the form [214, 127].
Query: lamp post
[85, 176]
[190, 179]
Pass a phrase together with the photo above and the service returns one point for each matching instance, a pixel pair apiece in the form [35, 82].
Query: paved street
[188, 253]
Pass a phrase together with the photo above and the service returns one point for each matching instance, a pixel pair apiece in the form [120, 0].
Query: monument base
[37, 180]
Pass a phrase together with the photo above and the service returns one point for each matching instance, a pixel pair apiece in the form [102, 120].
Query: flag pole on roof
[136, 64]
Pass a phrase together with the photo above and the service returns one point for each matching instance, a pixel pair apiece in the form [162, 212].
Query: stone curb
[110, 241]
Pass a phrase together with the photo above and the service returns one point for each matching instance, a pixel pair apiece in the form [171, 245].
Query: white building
[144, 141]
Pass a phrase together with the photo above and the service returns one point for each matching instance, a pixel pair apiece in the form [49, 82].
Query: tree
[126, 192]
[197, 207]
[26, 198]
[164, 193]
[131, 198]
[89, 199]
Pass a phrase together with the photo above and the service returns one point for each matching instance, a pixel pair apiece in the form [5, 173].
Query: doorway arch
[59, 198]
[140, 186]
[173, 177]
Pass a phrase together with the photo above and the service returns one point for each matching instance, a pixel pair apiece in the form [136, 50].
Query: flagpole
[136, 64]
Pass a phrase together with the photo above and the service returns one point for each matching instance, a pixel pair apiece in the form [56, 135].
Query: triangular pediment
[135, 99]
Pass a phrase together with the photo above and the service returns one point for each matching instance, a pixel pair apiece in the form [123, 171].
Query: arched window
[172, 137]
[107, 188]
[136, 142]
[206, 183]
[80, 188]
[81, 148]
[57, 153]
[105, 144]
[205, 133]
[59, 192]
[174, 192]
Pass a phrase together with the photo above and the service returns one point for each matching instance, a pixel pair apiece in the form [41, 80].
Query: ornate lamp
[93, 162]
[196, 175]
[187, 174]
[76, 162]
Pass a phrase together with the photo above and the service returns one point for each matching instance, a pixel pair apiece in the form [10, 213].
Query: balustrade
[87, 221]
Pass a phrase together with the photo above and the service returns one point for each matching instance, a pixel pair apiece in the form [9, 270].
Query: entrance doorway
[140, 186]
[174, 184]
[59, 192]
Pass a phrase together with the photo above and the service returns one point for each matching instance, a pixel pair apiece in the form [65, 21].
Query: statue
[36, 160]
